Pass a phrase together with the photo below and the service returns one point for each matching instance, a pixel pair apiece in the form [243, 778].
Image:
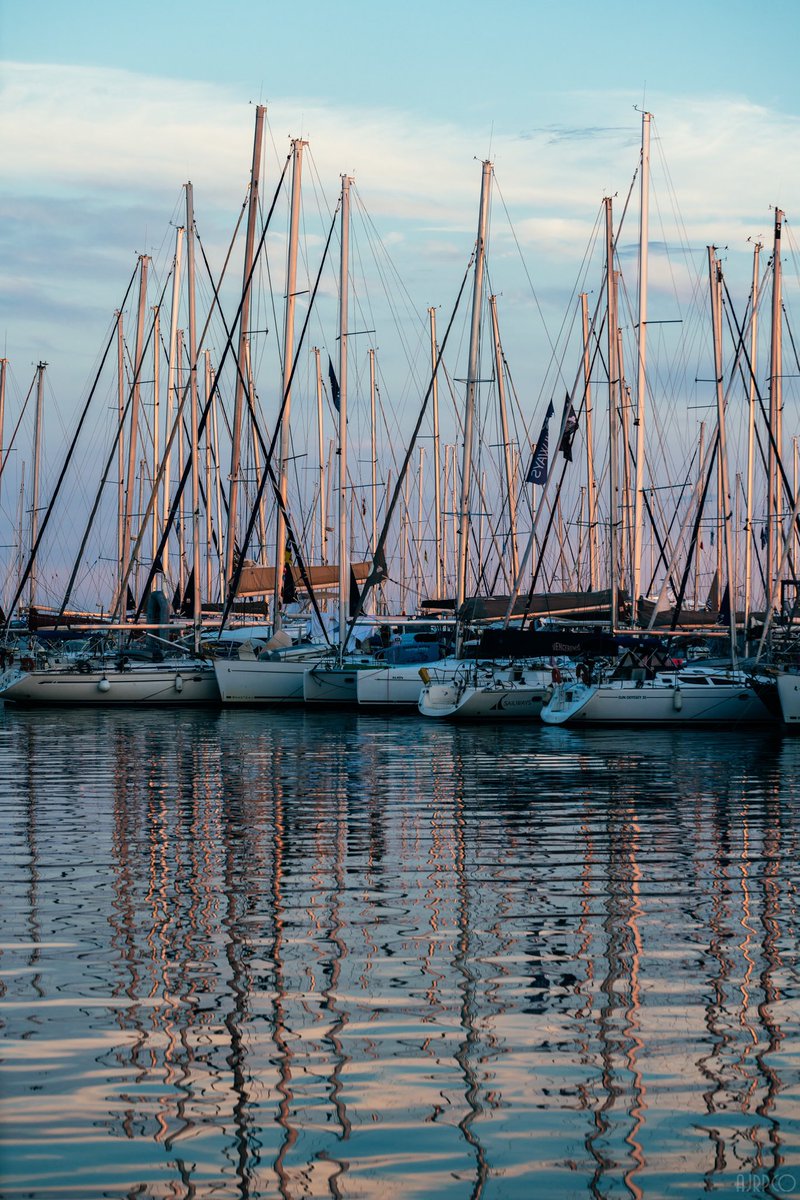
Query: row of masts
[627, 463]
[612, 548]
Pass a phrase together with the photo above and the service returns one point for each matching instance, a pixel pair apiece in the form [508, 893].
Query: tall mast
[331, 486]
[439, 546]
[208, 400]
[472, 383]
[218, 490]
[404, 540]
[130, 478]
[626, 507]
[445, 524]
[501, 397]
[247, 366]
[140, 502]
[482, 516]
[156, 417]
[236, 429]
[581, 529]
[381, 604]
[20, 535]
[323, 515]
[172, 406]
[775, 389]
[288, 361]
[181, 452]
[591, 487]
[195, 449]
[698, 556]
[454, 509]
[751, 410]
[420, 571]
[641, 377]
[613, 383]
[560, 531]
[715, 278]
[120, 444]
[344, 564]
[722, 499]
[37, 461]
[373, 450]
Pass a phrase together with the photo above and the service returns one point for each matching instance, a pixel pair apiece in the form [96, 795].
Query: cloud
[95, 160]
[562, 133]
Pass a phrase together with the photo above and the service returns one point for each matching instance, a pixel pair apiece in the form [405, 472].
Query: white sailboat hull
[788, 683]
[329, 683]
[156, 683]
[400, 686]
[660, 701]
[502, 699]
[269, 681]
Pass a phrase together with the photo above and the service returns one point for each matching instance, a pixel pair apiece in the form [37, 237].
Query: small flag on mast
[724, 614]
[335, 393]
[354, 596]
[570, 429]
[288, 588]
[537, 471]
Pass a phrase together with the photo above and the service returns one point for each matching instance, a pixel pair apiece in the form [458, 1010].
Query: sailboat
[109, 668]
[640, 690]
[487, 691]
[154, 670]
[276, 674]
[398, 685]
[120, 681]
[332, 679]
[511, 673]
[644, 689]
[787, 683]
[402, 685]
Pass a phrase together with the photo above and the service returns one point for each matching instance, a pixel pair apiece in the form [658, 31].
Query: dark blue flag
[537, 471]
[570, 429]
[724, 614]
[288, 587]
[335, 393]
[354, 597]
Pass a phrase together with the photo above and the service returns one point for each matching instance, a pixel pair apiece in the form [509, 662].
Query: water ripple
[263, 954]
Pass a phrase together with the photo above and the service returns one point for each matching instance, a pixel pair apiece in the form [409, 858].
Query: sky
[107, 110]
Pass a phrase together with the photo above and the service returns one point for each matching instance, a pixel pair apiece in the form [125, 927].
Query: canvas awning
[258, 580]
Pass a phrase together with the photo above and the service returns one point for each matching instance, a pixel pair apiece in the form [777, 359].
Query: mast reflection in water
[285, 954]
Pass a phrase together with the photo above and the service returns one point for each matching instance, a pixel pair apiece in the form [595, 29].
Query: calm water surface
[256, 954]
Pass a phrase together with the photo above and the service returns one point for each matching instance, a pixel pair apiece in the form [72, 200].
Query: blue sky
[509, 62]
[107, 109]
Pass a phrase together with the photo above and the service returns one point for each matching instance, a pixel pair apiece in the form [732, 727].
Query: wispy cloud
[564, 133]
[94, 161]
